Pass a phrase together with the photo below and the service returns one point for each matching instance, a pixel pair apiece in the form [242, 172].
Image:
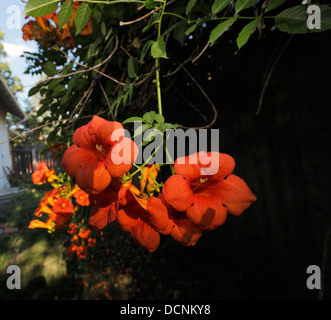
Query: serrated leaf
[65, 13]
[273, 4]
[246, 32]
[243, 4]
[168, 126]
[155, 18]
[159, 118]
[150, 4]
[190, 6]
[83, 15]
[141, 129]
[220, 29]
[50, 69]
[294, 20]
[132, 119]
[150, 135]
[219, 5]
[145, 50]
[149, 116]
[40, 8]
[158, 49]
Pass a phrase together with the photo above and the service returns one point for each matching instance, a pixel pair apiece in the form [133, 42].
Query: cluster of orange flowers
[46, 30]
[80, 241]
[196, 198]
[43, 174]
[58, 206]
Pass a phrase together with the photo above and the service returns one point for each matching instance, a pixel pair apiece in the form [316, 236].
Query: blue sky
[14, 45]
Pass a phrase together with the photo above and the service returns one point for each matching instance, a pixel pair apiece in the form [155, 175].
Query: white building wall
[5, 158]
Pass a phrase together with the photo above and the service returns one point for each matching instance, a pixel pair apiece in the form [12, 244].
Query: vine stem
[130, 175]
[158, 85]
[157, 64]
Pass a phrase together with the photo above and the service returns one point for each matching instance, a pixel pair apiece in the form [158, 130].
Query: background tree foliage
[112, 71]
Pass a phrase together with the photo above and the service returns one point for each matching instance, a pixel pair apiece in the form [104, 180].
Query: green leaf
[149, 116]
[159, 118]
[191, 29]
[83, 15]
[190, 6]
[219, 5]
[65, 13]
[103, 28]
[174, 26]
[150, 135]
[273, 4]
[145, 50]
[243, 4]
[40, 8]
[131, 72]
[158, 49]
[179, 34]
[155, 18]
[246, 32]
[43, 109]
[50, 69]
[58, 91]
[220, 29]
[150, 4]
[294, 20]
[141, 129]
[33, 91]
[53, 83]
[132, 119]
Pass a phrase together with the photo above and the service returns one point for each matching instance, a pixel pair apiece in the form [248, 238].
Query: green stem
[175, 15]
[144, 164]
[158, 85]
[157, 65]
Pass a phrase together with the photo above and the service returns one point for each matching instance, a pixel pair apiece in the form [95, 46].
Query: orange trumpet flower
[143, 218]
[98, 154]
[206, 198]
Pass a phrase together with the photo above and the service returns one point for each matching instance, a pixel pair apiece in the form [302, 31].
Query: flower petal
[235, 194]
[188, 167]
[185, 232]
[105, 132]
[63, 206]
[101, 217]
[125, 221]
[143, 234]
[207, 213]
[177, 192]
[107, 196]
[83, 139]
[212, 165]
[121, 156]
[74, 158]
[93, 177]
[215, 165]
[157, 215]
